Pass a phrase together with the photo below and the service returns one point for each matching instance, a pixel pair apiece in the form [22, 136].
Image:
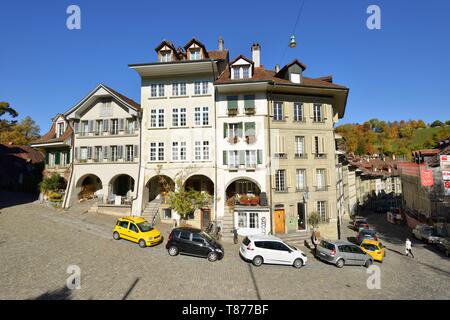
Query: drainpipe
[71, 164]
[137, 185]
[215, 146]
[269, 97]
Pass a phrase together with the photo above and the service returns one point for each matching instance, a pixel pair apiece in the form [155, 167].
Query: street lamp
[292, 43]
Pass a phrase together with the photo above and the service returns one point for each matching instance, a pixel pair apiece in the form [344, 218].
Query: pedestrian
[408, 248]
[314, 242]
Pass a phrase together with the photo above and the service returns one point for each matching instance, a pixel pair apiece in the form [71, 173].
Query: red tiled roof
[50, 136]
[23, 152]
[124, 98]
[218, 54]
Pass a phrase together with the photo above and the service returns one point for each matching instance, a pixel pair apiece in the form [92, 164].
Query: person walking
[408, 248]
[314, 242]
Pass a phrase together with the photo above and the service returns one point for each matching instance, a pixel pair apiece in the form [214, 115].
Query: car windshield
[207, 236]
[368, 233]
[369, 247]
[291, 247]
[145, 226]
[327, 245]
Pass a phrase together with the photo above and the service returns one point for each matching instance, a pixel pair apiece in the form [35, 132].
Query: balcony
[250, 111]
[280, 156]
[250, 166]
[301, 156]
[232, 111]
[320, 156]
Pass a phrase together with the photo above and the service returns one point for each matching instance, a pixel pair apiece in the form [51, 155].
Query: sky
[401, 71]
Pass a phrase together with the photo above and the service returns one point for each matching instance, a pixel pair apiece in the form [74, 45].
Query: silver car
[426, 233]
[342, 253]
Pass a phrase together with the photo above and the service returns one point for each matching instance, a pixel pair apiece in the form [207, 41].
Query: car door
[346, 253]
[184, 239]
[199, 245]
[133, 232]
[284, 254]
[359, 255]
[122, 228]
[266, 250]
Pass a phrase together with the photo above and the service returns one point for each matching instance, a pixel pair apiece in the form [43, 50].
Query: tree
[406, 131]
[314, 220]
[6, 109]
[437, 123]
[447, 122]
[51, 184]
[22, 133]
[421, 124]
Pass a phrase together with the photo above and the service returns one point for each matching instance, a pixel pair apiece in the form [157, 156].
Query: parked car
[261, 249]
[194, 242]
[394, 216]
[366, 234]
[374, 248]
[425, 233]
[443, 244]
[138, 230]
[342, 253]
[361, 225]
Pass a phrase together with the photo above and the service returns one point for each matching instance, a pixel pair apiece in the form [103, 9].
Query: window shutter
[47, 158]
[89, 152]
[322, 145]
[119, 152]
[313, 145]
[259, 156]
[328, 177]
[232, 102]
[311, 110]
[136, 151]
[106, 125]
[283, 147]
[136, 124]
[250, 129]
[225, 158]
[314, 177]
[225, 130]
[77, 154]
[90, 126]
[325, 111]
[239, 129]
[242, 157]
[121, 124]
[105, 153]
[76, 126]
[249, 101]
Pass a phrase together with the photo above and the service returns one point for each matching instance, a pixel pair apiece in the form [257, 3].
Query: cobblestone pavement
[37, 244]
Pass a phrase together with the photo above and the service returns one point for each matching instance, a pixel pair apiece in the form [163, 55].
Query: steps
[227, 225]
[295, 238]
[151, 211]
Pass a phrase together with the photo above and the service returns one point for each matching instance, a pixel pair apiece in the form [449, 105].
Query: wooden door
[206, 218]
[279, 221]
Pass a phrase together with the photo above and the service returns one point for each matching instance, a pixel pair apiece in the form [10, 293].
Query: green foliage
[437, 123]
[391, 138]
[314, 219]
[51, 184]
[22, 133]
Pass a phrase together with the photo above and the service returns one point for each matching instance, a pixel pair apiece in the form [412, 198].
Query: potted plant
[314, 220]
[244, 200]
[254, 201]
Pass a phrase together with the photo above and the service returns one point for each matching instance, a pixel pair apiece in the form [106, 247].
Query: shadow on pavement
[131, 289]
[11, 199]
[59, 294]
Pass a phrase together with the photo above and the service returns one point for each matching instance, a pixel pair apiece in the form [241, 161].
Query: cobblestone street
[37, 244]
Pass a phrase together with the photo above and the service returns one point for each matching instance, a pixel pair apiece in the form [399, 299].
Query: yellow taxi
[137, 230]
[374, 248]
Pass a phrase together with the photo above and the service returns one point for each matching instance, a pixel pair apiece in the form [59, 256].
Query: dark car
[366, 234]
[194, 242]
[443, 244]
[360, 225]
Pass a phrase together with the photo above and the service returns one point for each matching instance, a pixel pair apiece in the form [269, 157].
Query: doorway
[206, 218]
[279, 221]
[301, 216]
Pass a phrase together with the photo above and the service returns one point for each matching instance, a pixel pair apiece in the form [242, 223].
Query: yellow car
[374, 248]
[138, 230]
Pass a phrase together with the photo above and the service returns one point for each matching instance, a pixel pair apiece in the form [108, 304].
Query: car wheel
[258, 261]
[298, 263]
[368, 263]
[116, 235]
[142, 243]
[340, 263]
[173, 251]
[212, 257]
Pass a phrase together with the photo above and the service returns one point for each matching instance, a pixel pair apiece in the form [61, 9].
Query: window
[196, 54]
[157, 90]
[300, 179]
[157, 118]
[317, 113]
[201, 150]
[246, 72]
[153, 151]
[178, 151]
[114, 154]
[295, 77]
[242, 220]
[106, 109]
[249, 103]
[179, 117]
[299, 146]
[278, 111]
[320, 179]
[298, 112]
[157, 151]
[234, 130]
[253, 220]
[123, 224]
[200, 87]
[280, 180]
[133, 228]
[60, 129]
[319, 147]
[166, 56]
[129, 153]
[161, 151]
[250, 159]
[205, 150]
[167, 213]
[233, 159]
[179, 89]
[99, 127]
[236, 73]
[198, 151]
[201, 116]
[196, 237]
[84, 128]
[83, 153]
[131, 126]
[232, 104]
[321, 209]
[98, 153]
[114, 126]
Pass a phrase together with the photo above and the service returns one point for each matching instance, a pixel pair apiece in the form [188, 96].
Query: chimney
[221, 43]
[277, 68]
[256, 54]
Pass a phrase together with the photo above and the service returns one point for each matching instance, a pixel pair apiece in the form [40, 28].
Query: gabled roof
[50, 136]
[241, 57]
[286, 67]
[196, 41]
[21, 152]
[165, 43]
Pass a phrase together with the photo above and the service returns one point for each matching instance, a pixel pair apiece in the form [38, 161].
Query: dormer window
[246, 72]
[166, 56]
[236, 73]
[195, 54]
[241, 72]
[59, 129]
[295, 77]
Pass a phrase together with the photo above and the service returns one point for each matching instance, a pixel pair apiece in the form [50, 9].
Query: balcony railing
[232, 112]
[302, 189]
[322, 188]
[233, 139]
[250, 110]
[280, 155]
[301, 156]
[320, 156]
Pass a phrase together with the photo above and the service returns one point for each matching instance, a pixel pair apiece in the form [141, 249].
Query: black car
[194, 242]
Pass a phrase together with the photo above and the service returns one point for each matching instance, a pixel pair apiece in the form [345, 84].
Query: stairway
[296, 239]
[227, 225]
[151, 211]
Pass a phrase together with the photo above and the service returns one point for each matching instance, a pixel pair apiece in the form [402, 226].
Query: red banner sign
[427, 178]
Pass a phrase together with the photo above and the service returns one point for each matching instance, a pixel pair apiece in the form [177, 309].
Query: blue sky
[399, 72]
